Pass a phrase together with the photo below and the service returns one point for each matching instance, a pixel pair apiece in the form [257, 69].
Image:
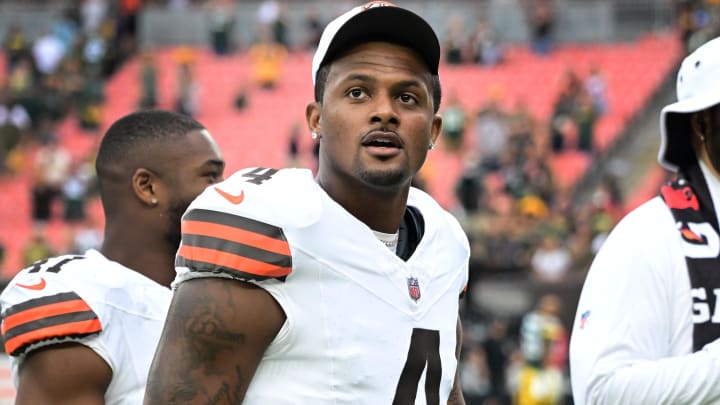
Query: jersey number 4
[424, 353]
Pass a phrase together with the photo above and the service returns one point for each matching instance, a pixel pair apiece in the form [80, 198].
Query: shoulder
[47, 303]
[651, 221]
[437, 217]
[645, 245]
[236, 229]
[286, 197]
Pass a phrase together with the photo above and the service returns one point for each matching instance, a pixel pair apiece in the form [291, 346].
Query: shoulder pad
[39, 307]
[58, 317]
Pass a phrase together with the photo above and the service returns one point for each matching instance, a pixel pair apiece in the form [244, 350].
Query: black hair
[134, 133]
[322, 76]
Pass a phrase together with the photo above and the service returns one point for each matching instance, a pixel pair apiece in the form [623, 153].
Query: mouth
[382, 139]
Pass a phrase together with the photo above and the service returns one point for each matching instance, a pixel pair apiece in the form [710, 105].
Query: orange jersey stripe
[232, 261]
[70, 328]
[45, 311]
[234, 234]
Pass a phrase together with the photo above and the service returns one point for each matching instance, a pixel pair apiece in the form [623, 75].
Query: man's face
[195, 163]
[376, 119]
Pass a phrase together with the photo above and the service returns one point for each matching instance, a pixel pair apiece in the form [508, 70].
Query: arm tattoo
[199, 337]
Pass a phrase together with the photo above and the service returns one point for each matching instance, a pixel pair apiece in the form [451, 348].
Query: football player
[338, 289]
[82, 329]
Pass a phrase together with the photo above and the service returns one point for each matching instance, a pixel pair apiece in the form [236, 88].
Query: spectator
[16, 46]
[485, 46]
[92, 14]
[21, 80]
[37, 248]
[551, 260]
[596, 88]
[585, 117]
[542, 22]
[543, 341]
[313, 29]
[455, 45]
[51, 167]
[75, 191]
[497, 349]
[267, 58]
[453, 128]
[222, 22]
[491, 132]
[186, 98]
[474, 375]
[148, 80]
[14, 122]
[87, 235]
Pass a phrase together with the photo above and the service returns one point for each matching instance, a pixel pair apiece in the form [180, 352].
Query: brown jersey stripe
[225, 232]
[17, 345]
[249, 252]
[43, 323]
[39, 302]
[209, 267]
[216, 260]
[234, 221]
[45, 311]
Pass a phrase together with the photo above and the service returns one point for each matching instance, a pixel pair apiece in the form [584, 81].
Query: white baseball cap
[698, 88]
[377, 21]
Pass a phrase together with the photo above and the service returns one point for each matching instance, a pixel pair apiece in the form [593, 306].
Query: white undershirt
[389, 239]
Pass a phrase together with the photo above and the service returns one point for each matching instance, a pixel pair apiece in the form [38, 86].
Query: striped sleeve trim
[241, 247]
[56, 316]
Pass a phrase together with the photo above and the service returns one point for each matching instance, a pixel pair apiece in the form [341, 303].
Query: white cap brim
[675, 143]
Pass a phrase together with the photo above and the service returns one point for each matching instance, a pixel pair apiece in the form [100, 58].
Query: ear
[144, 184]
[436, 128]
[313, 115]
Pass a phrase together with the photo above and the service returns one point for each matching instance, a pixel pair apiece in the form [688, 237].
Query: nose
[384, 111]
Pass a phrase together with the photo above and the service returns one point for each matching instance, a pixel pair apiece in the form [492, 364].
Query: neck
[380, 210]
[148, 254]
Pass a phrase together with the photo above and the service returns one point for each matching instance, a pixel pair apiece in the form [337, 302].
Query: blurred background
[550, 117]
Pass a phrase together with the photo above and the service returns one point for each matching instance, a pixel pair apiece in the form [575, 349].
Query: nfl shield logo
[413, 288]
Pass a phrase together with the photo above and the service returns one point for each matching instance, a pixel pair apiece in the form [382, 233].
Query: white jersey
[88, 299]
[633, 332]
[363, 326]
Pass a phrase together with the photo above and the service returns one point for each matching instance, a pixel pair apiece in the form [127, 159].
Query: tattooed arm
[214, 338]
[456, 395]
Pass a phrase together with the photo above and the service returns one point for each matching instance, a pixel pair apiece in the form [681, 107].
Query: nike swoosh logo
[235, 199]
[37, 286]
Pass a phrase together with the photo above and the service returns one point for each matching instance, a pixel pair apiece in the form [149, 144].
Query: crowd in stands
[518, 218]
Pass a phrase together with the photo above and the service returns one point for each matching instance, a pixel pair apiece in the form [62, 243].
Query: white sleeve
[632, 338]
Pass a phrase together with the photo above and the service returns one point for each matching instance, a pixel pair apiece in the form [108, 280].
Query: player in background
[339, 289]
[82, 329]
[648, 320]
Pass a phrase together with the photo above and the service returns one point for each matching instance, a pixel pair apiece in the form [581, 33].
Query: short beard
[173, 235]
[383, 179]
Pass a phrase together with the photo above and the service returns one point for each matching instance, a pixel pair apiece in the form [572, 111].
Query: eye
[213, 177]
[356, 93]
[408, 99]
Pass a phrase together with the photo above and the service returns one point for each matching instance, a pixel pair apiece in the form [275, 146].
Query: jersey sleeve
[39, 310]
[231, 245]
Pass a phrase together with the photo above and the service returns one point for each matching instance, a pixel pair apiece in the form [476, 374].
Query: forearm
[456, 395]
[690, 379]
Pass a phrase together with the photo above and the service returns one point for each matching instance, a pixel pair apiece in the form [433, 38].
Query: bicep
[63, 374]
[214, 338]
